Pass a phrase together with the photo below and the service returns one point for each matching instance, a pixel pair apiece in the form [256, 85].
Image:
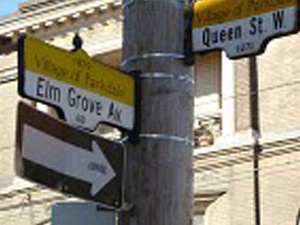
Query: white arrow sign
[70, 160]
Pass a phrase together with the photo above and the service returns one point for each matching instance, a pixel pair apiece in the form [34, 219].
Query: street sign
[79, 213]
[60, 157]
[84, 91]
[242, 27]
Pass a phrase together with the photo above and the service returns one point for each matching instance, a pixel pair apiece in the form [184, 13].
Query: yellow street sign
[209, 12]
[78, 69]
[84, 91]
[242, 27]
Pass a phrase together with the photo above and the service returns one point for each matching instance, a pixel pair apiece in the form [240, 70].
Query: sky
[7, 6]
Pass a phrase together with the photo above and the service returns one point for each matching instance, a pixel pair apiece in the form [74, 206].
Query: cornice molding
[59, 13]
[273, 145]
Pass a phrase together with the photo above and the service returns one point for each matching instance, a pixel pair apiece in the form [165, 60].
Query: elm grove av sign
[242, 27]
[84, 91]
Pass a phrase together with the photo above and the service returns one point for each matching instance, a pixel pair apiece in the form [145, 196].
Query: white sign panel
[246, 36]
[85, 92]
[81, 108]
[79, 213]
[67, 159]
[54, 154]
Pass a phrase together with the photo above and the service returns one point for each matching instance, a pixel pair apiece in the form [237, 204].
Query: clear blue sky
[7, 6]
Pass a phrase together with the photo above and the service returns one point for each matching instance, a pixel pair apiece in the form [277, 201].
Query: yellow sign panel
[209, 12]
[79, 70]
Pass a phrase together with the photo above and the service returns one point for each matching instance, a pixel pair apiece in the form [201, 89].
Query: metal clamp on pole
[124, 179]
[152, 55]
[126, 215]
[160, 75]
[167, 137]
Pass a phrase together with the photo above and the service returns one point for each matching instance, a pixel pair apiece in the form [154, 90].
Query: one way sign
[58, 156]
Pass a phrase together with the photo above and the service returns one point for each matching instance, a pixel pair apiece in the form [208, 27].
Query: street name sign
[84, 91]
[242, 27]
[79, 213]
[54, 154]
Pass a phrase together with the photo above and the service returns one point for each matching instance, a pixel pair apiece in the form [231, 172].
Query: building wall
[279, 192]
[242, 101]
[279, 72]
[222, 172]
[100, 30]
[99, 24]
[8, 103]
[279, 106]
[207, 73]
[207, 98]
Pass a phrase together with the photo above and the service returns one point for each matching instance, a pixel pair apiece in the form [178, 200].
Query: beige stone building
[99, 23]
[223, 186]
[224, 171]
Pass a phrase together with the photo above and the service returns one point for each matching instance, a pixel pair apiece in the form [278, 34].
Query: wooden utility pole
[160, 180]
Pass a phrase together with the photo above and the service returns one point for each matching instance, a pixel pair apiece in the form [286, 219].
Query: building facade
[225, 169]
[223, 155]
[99, 23]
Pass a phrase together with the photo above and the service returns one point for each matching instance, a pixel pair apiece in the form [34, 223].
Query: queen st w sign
[242, 27]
